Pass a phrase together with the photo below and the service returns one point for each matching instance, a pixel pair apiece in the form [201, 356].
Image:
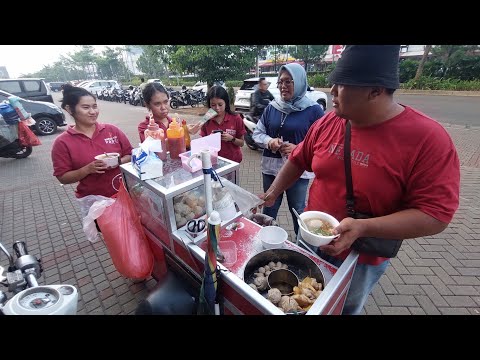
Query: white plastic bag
[244, 199]
[92, 206]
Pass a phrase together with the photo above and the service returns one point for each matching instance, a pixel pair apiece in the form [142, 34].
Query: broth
[319, 227]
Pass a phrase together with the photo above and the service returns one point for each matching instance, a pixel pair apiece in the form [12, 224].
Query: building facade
[4, 73]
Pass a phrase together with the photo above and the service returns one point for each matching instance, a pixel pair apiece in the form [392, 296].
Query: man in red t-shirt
[404, 165]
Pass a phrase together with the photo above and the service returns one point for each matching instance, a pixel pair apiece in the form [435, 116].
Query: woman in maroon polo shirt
[157, 102]
[229, 123]
[73, 152]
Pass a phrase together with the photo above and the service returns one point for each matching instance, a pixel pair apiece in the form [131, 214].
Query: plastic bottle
[186, 134]
[176, 139]
[17, 105]
[154, 131]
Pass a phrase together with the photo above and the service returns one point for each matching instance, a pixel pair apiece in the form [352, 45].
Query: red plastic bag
[26, 137]
[125, 239]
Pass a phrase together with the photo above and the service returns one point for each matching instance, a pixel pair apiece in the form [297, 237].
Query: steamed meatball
[274, 295]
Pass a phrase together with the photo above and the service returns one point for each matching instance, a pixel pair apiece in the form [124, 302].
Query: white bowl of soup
[319, 227]
[110, 159]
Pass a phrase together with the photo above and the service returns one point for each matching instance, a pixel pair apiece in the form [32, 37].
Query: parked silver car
[244, 94]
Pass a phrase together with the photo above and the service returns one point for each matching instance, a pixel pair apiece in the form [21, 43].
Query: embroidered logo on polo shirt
[111, 140]
[232, 132]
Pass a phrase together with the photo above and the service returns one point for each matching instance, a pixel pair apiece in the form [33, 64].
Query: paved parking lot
[432, 275]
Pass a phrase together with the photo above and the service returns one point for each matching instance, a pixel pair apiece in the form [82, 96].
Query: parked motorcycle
[31, 298]
[15, 150]
[250, 123]
[10, 146]
[181, 99]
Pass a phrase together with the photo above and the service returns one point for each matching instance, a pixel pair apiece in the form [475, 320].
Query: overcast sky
[25, 59]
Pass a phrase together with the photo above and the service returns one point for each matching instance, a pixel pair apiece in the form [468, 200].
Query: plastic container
[211, 142]
[176, 140]
[186, 134]
[229, 250]
[154, 131]
[9, 114]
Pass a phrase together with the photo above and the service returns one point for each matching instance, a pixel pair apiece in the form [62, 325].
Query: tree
[450, 55]
[277, 50]
[426, 51]
[259, 49]
[154, 60]
[110, 65]
[85, 58]
[212, 62]
[309, 53]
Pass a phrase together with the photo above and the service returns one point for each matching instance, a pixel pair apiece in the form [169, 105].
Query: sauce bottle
[186, 134]
[176, 139]
[154, 131]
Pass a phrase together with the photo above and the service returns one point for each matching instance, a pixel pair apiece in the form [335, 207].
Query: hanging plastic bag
[91, 207]
[245, 200]
[26, 136]
[125, 239]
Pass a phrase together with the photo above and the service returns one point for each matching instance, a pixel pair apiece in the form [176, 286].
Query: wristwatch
[233, 139]
[119, 160]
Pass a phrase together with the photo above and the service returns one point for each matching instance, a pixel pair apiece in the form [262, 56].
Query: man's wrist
[233, 139]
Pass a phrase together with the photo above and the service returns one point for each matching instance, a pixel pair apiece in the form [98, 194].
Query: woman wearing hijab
[284, 124]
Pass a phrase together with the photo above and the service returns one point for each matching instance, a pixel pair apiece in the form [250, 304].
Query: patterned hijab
[299, 101]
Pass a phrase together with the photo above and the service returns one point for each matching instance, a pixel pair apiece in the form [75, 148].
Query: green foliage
[212, 62]
[309, 53]
[234, 83]
[407, 70]
[318, 80]
[153, 61]
[431, 83]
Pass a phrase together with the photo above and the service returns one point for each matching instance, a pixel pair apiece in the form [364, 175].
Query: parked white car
[244, 94]
[199, 85]
[95, 86]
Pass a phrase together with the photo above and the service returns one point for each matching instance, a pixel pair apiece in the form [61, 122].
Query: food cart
[168, 202]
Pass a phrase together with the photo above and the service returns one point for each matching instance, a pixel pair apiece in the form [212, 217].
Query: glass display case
[168, 202]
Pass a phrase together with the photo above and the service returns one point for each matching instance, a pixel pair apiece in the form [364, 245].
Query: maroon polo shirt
[72, 151]
[233, 125]
[144, 124]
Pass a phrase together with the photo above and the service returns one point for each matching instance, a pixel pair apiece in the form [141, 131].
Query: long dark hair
[72, 95]
[220, 93]
[150, 89]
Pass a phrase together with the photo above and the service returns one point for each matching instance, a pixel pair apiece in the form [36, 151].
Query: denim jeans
[296, 195]
[365, 277]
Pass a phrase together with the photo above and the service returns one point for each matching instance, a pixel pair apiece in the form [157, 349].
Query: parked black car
[48, 116]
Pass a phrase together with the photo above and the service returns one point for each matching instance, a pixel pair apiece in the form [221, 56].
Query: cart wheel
[169, 297]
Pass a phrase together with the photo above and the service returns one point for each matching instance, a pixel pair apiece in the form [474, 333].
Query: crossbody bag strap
[350, 201]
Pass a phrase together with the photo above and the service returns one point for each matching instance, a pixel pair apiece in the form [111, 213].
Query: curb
[423, 92]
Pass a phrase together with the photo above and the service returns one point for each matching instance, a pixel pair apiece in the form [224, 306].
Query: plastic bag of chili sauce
[124, 237]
